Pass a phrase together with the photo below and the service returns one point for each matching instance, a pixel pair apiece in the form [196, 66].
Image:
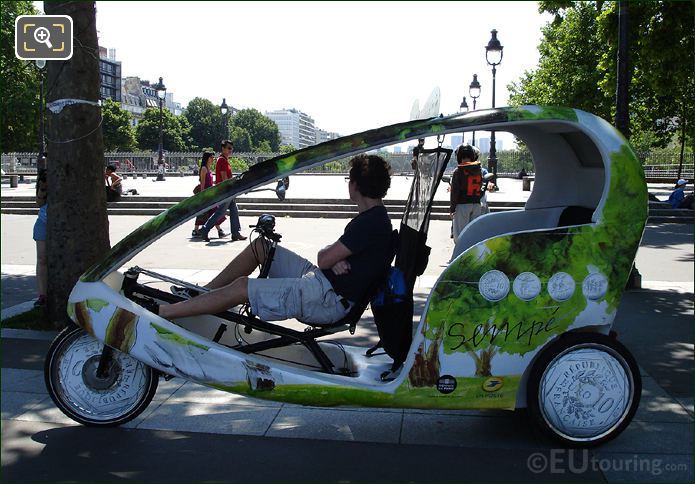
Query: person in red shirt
[223, 171]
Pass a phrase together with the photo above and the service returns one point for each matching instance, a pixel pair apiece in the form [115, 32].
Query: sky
[351, 66]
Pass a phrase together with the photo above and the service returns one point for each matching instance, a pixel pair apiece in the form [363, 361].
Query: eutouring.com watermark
[579, 461]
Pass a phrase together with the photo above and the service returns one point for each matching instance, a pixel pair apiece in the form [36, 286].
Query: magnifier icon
[43, 36]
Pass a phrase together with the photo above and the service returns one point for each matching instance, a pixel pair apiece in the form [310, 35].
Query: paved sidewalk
[660, 435]
[204, 430]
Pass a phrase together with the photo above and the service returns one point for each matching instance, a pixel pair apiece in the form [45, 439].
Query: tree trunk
[78, 231]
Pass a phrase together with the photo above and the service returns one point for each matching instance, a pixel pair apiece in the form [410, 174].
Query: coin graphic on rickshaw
[561, 286]
[595, 286]
[494, 285]
[527, 286]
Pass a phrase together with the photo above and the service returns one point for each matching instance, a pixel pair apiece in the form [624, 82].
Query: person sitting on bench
[296, 288]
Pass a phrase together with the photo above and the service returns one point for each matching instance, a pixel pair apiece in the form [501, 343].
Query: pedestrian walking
[223, 171]
[205, 181]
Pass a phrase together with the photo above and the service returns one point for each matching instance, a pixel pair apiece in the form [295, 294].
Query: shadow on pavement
[664, 236]
[657, 327]
[17, 289]
[79, 454]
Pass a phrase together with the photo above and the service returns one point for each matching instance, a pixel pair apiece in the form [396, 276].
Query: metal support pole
[160, 160]
[492, 158]
[622, 113]
[474, 131]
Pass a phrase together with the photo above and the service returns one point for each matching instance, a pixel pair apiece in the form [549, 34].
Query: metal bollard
[526, 183]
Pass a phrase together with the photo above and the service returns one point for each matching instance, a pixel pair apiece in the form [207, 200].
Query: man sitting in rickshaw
[295, 287]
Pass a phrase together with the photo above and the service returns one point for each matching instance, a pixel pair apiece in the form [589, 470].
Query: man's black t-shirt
[368, 236]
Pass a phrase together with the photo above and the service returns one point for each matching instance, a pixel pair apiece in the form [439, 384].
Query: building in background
[172, 105]
[138, 95]
[110, 74]
[296, 128]
[483, 144]
[397, 149]
[456, 140]
[323, 135]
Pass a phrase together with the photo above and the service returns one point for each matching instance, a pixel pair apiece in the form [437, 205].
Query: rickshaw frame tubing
[287, 336]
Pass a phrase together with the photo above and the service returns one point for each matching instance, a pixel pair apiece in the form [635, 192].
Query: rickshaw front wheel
[111, 397]
[584, 389]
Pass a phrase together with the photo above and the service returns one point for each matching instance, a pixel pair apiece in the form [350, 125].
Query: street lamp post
[463, 109]
[474, 92]
[161, 94]
[493, 55]
[224, 109]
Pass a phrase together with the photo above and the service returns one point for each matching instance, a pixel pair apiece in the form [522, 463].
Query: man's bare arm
[332, 254]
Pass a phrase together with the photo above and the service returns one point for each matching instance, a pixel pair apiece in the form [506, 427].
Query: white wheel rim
[586, 392]
[73, 377]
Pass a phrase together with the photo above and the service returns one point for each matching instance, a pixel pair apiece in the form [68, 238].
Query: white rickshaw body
[517, 283]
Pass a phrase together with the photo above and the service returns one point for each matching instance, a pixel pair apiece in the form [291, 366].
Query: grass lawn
[33, 319]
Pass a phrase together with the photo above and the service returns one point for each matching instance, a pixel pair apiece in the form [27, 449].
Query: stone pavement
[188, 425]
[658, 444]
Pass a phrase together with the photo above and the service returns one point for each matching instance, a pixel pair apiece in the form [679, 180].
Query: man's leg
[229, 287]
[212, 302]
[234, 223]
[211, 222]
[242, 265]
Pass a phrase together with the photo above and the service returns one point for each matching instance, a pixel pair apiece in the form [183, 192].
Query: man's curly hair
[372, 174]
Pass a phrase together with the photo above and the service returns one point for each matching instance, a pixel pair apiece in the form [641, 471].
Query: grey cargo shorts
[295, 288]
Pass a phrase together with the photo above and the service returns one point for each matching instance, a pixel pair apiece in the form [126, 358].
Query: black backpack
[392, 306]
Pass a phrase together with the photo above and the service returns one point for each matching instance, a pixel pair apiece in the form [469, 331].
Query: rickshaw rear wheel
[113, 398]
[584, 389]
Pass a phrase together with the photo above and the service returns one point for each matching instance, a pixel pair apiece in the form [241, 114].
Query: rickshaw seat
[499, 223]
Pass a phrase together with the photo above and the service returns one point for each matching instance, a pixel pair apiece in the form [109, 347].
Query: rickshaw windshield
[428, 173]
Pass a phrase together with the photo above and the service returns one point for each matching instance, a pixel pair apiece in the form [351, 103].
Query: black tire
[606, 373]
[83, 399]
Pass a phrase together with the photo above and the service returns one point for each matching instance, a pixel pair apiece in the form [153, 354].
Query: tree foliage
[263, 147]
[260, 128]
[19, 102]
[577, 65]
[176, 131]
[207, 126]
[119, 134]
[241, 139]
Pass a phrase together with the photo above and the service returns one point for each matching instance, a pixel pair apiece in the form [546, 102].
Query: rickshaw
[520, 318]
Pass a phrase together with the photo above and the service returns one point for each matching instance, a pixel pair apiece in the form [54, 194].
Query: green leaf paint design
[71, 311]
[542, 112]
[170, 336]
[96, 305]
[468, 394]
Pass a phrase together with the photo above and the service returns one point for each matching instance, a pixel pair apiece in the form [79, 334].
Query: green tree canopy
[241, 139]
[205, 118]
[19, 102]
[176, 131]
[263, 147]
[577, 65]
[287, 148]
[119, 134]
[259, 127]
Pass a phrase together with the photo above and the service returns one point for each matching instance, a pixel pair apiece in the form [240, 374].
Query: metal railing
[657, 164]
